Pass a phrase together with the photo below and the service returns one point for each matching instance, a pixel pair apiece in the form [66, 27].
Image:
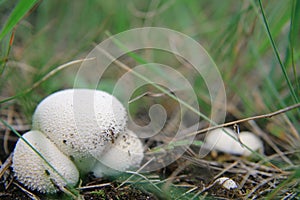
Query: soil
[188, 173]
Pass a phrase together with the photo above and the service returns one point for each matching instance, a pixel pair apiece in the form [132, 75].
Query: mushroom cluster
[77, 131]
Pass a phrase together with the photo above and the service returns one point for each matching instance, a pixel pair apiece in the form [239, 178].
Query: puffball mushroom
[31, 170]
[81, 123]
[226, 183]
[220, 140]
[76, 130]
[125, 153]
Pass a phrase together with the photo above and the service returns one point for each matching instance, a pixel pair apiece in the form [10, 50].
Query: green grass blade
[17, 14]
[4, 60]
[283, 68]
[294, 27]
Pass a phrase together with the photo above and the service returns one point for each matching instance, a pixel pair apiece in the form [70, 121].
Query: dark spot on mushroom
[47, 172]
[111, 132]
[124, 138]
[64, 141]
[111, 135]
[71, 158]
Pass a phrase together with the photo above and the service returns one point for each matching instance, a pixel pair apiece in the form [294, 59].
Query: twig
[212, 164]
[226, 169]
[269, 115]
[262, 183]
[30, 194]
[262, 167]
[174, 174]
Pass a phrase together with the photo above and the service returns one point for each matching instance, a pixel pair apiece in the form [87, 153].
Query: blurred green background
[55, 32]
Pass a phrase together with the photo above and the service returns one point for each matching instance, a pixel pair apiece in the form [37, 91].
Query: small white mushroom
[227, 183]
[31, 170]
[220, 140]
[251, 141]
[125, 153]
[81, 123]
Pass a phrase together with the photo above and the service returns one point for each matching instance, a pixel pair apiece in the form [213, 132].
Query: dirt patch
[187, 178]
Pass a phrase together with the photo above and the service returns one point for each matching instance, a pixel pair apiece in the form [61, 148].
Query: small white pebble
[227, 183]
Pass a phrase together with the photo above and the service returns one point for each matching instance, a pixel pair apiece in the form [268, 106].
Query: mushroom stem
[125, 153]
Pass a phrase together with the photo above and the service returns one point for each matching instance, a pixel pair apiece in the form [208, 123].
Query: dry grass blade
[5, 165]
[10, 114]
[270, 142]
[94, 186]
[27, 192]
[261, 184]
[226, 169]
[174, 174]
[252, 177]
[147, 94]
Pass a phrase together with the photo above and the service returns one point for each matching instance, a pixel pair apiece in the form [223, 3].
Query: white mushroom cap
[81, 122]
[125, 153]
[220, 140]
[252, 141]
[31, 170]
[227, 183]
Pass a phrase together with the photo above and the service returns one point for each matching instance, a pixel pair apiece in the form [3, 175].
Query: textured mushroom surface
[125, 153]
[220, 140]
[251, 141]
[31, 170]
[81, 122]
[227, 183]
